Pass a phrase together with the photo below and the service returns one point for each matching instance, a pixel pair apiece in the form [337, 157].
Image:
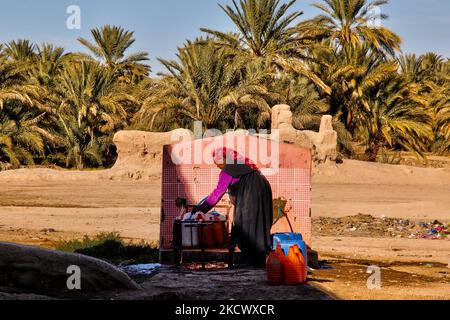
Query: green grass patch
[112, 248]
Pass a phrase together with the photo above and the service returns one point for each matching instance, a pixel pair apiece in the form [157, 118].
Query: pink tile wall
[194, 182]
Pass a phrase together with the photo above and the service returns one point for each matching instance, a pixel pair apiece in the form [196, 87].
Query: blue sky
[162, 25]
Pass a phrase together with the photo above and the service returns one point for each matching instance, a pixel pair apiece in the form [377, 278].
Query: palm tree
[13, 85]
[20, 51]
[301, 95]
[26, 121]
[22, 138]
[110, 46]
[430, 74]
[427, 67]
[82, 149]
[439, 100]
[394, 118]
[50, 63]
[350, 74]
[308, 107]
[269, 32]
[206, 85]
[376, 106]
[436, 84]
[90, 93]
[349, 24]
[91, 105]
[411, 67]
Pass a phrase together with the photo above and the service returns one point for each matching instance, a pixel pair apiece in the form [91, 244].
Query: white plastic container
[190, 234]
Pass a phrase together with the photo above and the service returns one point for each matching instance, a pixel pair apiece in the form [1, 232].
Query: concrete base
[221, 255]
[194, 255]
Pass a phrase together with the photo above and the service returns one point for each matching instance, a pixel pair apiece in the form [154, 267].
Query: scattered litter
[436, 230]
[369, 226]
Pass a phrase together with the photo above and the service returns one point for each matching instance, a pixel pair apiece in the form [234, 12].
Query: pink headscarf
[232, 157]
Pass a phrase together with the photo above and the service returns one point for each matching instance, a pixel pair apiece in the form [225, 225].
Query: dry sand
[79, 203]
[372, 188]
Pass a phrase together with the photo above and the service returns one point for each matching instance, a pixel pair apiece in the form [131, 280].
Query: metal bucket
[190, 235]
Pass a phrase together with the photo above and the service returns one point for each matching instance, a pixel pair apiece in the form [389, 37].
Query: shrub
[112, 248]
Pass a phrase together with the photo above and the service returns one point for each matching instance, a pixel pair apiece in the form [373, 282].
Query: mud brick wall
[291, 180]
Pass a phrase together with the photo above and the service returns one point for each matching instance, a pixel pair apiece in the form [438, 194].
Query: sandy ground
[377, 189]
[41, 211]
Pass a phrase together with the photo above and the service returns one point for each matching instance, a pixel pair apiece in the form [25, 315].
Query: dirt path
[401, 201]
[77, 208]
[377, 189]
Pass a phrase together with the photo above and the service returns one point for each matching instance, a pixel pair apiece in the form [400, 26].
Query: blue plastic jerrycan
[287, 240]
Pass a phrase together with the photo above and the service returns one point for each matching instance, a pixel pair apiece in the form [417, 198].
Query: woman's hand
[205, 207]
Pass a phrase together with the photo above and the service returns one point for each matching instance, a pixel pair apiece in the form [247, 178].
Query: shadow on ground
[190, 283]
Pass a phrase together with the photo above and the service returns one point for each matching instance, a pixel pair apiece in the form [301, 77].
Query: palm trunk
[80, 164]
[372, 151]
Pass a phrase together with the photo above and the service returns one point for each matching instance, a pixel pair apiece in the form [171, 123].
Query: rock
[32, 270]
[323, 143]
[140, 153]
[282, 120]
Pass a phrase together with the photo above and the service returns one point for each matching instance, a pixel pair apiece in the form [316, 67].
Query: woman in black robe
[251, 195]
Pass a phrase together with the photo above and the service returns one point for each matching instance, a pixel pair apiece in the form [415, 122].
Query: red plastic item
[292, 268]
[208, 236]
[220, 233]
[274, 267]
[301, 258]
